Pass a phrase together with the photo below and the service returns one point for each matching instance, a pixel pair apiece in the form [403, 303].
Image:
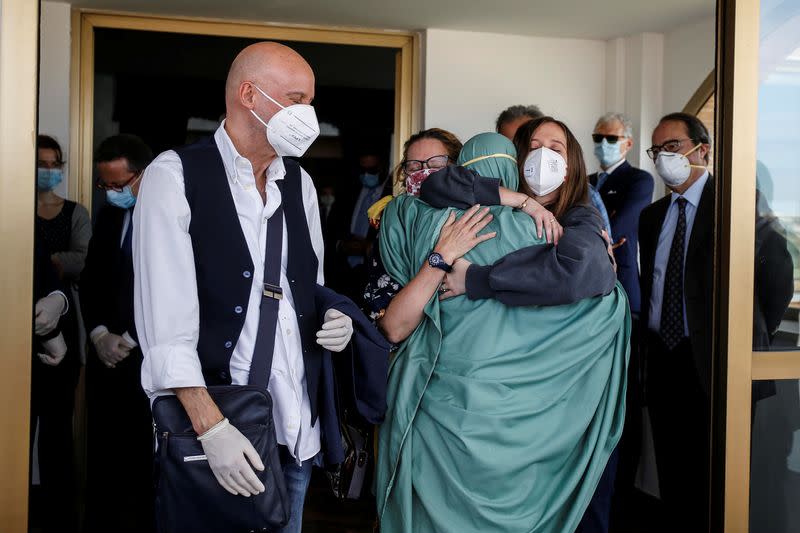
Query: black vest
[224, 269]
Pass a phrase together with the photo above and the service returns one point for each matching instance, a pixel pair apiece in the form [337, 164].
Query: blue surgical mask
[370, 180]
[123, 199]
[48, 179]
[608, 153]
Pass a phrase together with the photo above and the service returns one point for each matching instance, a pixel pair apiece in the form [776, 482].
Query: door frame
[19, 58]
[84, 22]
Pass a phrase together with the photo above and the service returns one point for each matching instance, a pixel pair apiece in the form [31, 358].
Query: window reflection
[774, 269]
[775, 460]
[777, 241]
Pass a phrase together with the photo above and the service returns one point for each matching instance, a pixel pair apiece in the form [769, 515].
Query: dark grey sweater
[543, 274]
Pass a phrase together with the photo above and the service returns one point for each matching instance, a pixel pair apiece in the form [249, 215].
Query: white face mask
[544, 170]
[675, 168]
[291, 130]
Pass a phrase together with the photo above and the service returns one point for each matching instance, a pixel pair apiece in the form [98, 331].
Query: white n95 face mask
[544, 170]
[291, 130]
[675, 168]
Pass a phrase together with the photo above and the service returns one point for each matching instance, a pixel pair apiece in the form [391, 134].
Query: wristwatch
[437, 261]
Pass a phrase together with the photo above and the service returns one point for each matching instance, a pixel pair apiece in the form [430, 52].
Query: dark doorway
[168, 89]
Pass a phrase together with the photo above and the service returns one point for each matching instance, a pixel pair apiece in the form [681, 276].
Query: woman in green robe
[501, 417]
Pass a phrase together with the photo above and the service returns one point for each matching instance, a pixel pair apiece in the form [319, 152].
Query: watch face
[435, 259]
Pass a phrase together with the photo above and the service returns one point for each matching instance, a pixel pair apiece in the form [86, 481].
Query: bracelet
[523, 204]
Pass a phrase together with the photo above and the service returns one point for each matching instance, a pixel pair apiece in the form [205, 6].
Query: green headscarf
[499, 418]
[491, 155]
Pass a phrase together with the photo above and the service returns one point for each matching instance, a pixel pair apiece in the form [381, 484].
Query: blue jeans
[297, 479]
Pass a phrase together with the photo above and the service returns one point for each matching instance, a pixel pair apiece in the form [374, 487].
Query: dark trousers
[119, 448]
[53, 505]
[626, 502]
[679, 412]
[597, 516]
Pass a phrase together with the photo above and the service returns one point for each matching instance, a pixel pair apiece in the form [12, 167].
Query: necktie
[601, 179]
[672, 304]
[127, 241]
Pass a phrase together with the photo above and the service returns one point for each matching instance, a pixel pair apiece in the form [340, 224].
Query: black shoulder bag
[188, 497]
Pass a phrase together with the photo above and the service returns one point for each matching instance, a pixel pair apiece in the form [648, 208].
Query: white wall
[471, 77]
[634, 86]
[54, 77]
[689, 53]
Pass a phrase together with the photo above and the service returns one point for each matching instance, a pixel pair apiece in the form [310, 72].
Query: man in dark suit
[119, 479]
[676, 239]
[349, 223]
[625, 190]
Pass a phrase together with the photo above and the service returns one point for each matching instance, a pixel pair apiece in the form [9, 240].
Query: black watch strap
[437, 261]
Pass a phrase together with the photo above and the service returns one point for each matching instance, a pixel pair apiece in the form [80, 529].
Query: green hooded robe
[500, 418]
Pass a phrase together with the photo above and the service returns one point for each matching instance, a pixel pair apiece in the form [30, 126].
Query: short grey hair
[614, 116]
[518, 111]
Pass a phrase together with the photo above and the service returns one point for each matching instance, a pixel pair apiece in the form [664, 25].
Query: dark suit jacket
[698, 278]
[107, 280]
[626, 192]
[342, 212]
[774, 281]
[362, 367]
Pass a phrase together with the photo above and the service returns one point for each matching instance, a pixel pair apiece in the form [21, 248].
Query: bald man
[227, 253]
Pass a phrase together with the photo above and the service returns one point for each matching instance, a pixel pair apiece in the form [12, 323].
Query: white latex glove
[336, 331]
[48, 310]
[111, 349]
[55, 350]
[228, 452]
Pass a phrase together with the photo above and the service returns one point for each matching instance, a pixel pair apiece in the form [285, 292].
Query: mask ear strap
[692, 150]
[271, 99]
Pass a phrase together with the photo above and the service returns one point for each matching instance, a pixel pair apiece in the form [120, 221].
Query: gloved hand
[111, 349]
[228, 452]
[336, 331]
[55, 350]
[48, 311]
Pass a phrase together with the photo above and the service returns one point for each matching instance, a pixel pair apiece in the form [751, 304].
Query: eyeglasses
[413, 165]
[49, 164]
[612, 139]
[100, 184]
[672, 145]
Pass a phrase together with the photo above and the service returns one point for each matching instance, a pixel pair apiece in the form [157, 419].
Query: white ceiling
[592, 19]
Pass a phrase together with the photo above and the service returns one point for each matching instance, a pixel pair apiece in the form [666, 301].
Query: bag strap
[271, 295]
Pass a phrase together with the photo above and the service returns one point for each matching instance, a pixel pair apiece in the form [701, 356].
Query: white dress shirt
[165, 289]
[692, 195]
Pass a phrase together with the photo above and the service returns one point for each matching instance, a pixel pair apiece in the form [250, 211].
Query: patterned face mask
[414, 181]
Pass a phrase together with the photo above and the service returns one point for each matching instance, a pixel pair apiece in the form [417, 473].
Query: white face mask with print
[291, 130]
[544, 170]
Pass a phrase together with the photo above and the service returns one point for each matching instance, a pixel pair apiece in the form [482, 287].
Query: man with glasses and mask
[116, 403]
[676, 240]
[355, 234]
